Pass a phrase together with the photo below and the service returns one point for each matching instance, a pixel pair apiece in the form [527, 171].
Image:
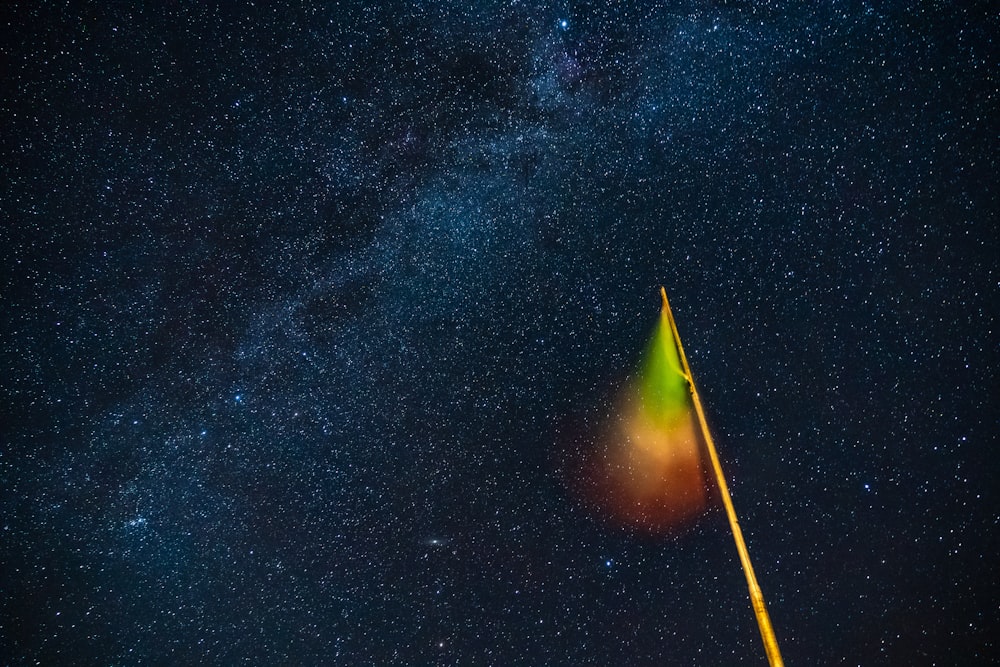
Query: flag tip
[663, 296]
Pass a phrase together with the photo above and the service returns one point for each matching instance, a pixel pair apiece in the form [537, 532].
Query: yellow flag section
[649, 474]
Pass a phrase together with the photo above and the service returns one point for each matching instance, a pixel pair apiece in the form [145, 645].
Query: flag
[646, 470]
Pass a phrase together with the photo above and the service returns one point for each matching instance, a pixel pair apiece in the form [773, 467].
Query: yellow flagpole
[756, 596]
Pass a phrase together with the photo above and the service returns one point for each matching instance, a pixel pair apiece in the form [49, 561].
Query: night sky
[307, 309]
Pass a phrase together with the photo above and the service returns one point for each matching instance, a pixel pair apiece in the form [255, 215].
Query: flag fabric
[647, 471]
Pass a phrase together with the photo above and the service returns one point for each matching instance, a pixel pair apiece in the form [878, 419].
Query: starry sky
[306, 307]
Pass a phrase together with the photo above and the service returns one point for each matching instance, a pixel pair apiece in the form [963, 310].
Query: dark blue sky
[305, 306]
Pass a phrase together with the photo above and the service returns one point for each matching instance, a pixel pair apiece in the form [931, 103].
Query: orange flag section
[651, 476]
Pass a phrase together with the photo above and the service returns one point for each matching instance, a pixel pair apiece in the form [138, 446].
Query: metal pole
[756, 596]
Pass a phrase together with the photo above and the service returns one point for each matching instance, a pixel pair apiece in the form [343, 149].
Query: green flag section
[663, 388]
